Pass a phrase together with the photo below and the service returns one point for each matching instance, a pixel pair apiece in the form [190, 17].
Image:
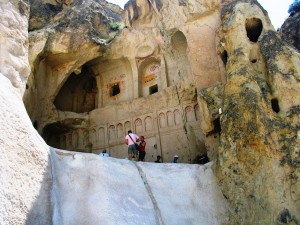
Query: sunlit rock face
[63, 36]
[163, 77]
[14, 53]
[258, 158]
[94, 87]
[25, 176]
[117, 191]
[290, 30]
[35, 189]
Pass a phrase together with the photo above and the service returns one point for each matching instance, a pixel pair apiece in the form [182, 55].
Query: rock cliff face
[14, 55]
[258, 158]
[145, 80]
[193, 77]
[28, 193]
[290, 30]
[63, 36]
[25, 175]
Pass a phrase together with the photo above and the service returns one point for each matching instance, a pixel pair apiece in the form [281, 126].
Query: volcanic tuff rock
[290, 30]
[27, 194]
[93, 15]
[89, 83]
[258, 163]
[64, 35]
[25, 187]
[156, 52]
[14, 55]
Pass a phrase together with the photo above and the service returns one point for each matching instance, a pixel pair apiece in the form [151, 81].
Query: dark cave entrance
[52, 134]
[79, 92]
[254, 28]
[275, 105]
[224, 57]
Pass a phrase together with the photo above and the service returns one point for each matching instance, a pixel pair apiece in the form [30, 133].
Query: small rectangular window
[153, 89]
[114, 90]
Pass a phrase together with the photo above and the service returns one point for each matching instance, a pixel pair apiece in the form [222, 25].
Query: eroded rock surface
[14, 53]
[25, 176]
[290, 30]
[141, 193]
[145, 80]
[258, 161]
[162, 77]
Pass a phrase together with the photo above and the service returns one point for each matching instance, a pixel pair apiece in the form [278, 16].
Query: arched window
[148, 123]
[177, 115]
[101, 135]
[162, 120]
[93, 136]
[138, 126]
[63, 141]
[170, 118]
[149, 74]
[189, 113]
[127, 127]
[75, 138]
[112, 132]
[120, 130]
[177, 62]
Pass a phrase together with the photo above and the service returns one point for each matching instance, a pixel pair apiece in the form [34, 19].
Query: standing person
[130, 141]
[158, 159]
[104, 154]
[175, 159]
[142, 151]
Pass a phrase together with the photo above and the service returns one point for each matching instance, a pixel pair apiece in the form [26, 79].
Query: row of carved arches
[140, 126]
[174, 118]
[101, 136]
[97, 137]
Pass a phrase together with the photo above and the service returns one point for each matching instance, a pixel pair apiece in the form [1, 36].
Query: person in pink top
[131, 140]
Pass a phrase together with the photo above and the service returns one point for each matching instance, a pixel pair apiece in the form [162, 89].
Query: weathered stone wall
[290, 30]
[253, 110]
[14, 54]
[101, 186]
[258, 157]
[25, 167]
[61, 41]
[170, 61]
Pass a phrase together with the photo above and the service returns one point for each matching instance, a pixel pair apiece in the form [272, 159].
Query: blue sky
[277, 9]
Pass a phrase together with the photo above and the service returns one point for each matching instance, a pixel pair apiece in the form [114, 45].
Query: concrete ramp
[88, 189]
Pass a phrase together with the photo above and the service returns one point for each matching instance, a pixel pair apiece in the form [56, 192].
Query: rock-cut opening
[114, 89]
[52, 134]
[224, 57]
[275, 105]
[153, 89]
[217, 127]
[78, 94]
[254, 28]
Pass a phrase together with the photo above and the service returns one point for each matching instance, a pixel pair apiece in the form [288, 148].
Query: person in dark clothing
[158, 159]
[176, 157]
[142, 151]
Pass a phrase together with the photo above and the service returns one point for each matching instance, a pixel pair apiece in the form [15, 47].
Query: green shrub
[114, 26]
[294, 7]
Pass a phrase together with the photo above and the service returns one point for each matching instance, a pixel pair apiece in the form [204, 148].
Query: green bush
[294, 7]
[114, 26]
